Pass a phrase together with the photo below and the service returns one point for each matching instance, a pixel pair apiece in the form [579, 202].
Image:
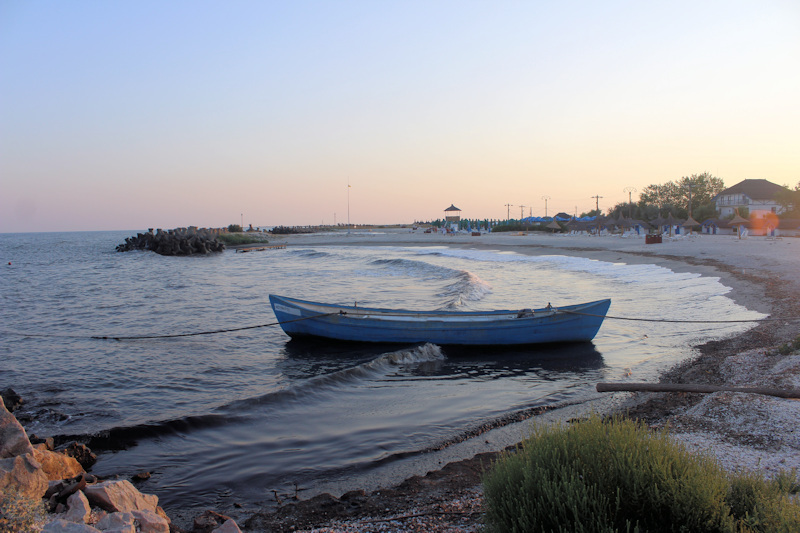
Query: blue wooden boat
[572, 323]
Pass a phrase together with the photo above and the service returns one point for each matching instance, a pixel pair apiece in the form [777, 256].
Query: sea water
[231, 417]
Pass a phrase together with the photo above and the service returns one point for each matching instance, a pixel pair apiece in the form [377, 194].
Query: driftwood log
[689, 387]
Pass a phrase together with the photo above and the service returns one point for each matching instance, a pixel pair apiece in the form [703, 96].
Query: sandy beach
[743, 431]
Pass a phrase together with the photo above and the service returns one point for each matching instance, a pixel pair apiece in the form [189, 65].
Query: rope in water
[176, 335]
[666, 320]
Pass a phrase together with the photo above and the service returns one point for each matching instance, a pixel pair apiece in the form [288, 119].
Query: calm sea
[231, 417]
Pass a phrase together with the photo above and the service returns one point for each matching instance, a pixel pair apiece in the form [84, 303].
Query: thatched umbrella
[738, 222]
[623, 222]
[672, 221]
[554, 225]
[657, 223]
[690, 223]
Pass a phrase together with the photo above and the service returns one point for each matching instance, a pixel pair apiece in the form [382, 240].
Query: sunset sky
[126, 115]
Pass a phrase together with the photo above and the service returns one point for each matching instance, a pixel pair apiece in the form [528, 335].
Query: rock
[54, 487]
[81, 453]
[13, 439]
[64, 526]
[23, 474]
[160, 512]
[56, 465]
[150, 522]
[78, 509]
[229, 526]
[66, 488]
[209, 521]
[117, 523]
[120, 496]
[141, 476]
[47, 441]
[11, 399]
[180, 241]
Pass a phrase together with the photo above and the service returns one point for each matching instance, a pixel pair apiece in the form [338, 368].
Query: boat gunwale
[385, 314]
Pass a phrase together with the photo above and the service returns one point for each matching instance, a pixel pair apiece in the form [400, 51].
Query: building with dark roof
[755, 195]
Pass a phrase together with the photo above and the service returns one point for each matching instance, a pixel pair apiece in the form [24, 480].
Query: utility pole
[690, 198]
[545, 198]
[597, 207]
[597, 203]
[629, 190]
[522, 211]
[348, 204]
[508, 212]
[242, 226]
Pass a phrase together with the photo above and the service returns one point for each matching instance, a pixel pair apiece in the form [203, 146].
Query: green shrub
[19, 513]
[234, 228]
[233, 239]
[765, 505]
[618, 475]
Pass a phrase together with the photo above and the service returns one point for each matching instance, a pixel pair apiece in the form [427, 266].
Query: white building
[755, 195]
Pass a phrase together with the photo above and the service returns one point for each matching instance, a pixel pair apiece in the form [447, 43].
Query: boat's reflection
[309, 357]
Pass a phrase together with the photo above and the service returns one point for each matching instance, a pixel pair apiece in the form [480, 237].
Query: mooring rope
[175, 335]
[556, 310]
[667, 320]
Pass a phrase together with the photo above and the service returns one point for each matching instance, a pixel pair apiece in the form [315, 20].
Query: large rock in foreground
[13, 439]
[120, 496]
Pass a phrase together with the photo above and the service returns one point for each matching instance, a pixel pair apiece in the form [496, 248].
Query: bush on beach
[234, 239]
[617, 475]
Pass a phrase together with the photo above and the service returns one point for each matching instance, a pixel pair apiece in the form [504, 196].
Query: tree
[790, 201]
[674, 195]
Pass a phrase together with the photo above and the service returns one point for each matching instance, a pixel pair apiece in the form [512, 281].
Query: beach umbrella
[690, 222]
[672, 221]
[738, 222]
[554, 226]
[658, 222]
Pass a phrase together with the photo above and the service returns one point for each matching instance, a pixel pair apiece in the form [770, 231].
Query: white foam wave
[468, 288]
[621, 272]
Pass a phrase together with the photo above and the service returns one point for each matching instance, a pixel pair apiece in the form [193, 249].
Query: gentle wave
[466, 287]
[310, 254]
[381, 365]
[241, 410]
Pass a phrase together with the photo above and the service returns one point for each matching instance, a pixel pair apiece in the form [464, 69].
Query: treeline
[693, 194]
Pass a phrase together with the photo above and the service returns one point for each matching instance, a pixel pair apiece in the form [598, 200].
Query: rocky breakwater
[179, 241]
[43, 490]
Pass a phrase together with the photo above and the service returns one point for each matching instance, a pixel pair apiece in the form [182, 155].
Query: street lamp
[629, 190]
[545, 198]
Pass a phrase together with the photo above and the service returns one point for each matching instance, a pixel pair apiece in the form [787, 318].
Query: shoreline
[761, 274]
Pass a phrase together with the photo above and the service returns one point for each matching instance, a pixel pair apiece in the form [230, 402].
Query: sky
[127, 115]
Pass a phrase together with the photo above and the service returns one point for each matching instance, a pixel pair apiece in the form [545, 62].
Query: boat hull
[574, 323]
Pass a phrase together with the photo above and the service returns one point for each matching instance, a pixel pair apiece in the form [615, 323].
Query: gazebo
[452, 214]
